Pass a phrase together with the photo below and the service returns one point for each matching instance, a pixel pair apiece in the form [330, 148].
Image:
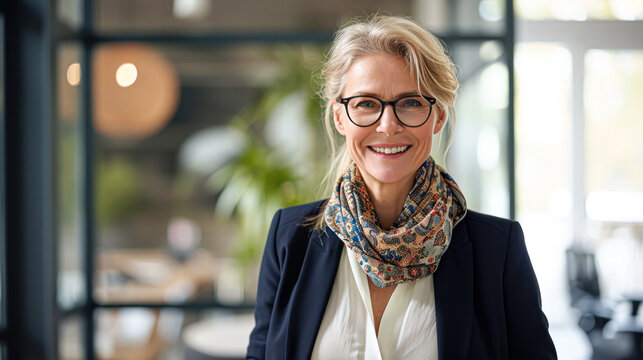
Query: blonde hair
[424, 54]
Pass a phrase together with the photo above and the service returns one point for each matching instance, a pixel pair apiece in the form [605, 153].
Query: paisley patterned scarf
[412, 248]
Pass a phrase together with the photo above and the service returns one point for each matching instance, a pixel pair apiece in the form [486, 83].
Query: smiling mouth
[389, 150]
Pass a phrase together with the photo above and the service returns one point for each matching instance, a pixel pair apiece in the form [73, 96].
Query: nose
[388, 123]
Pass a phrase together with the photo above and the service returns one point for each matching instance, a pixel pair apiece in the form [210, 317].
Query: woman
[392, 265]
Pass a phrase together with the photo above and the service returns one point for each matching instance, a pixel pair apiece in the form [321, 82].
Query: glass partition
[71, 283]
[614, 153]
[197, 147]
[71, 338]
[543, 164]
[478, 155]
[70, 13]
[612, 110]
[577, 159]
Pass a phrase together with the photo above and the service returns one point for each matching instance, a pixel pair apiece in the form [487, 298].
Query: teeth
[388, 150]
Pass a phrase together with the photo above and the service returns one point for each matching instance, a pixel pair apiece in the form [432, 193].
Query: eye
[411, 103]
[365, 104]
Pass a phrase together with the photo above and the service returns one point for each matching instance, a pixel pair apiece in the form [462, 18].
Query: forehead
[383, 75]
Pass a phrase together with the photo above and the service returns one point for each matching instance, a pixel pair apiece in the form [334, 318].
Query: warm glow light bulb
[138, 111]
[126, 74]
[73, 74]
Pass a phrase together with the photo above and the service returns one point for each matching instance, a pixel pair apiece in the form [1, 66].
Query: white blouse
[347, 331]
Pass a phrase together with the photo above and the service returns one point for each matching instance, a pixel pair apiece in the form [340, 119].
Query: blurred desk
[146, 276]
[219, 338]
[153, 276]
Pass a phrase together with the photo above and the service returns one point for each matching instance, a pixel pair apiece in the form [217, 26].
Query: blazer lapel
[453, 283]
[310, 295]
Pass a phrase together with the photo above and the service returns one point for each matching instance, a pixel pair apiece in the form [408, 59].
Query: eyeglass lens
[410, 110]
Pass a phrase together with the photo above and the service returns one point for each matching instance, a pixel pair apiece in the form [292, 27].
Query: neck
[388, 198]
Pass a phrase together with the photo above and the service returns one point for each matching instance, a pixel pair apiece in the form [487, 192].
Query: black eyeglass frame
[345, 101]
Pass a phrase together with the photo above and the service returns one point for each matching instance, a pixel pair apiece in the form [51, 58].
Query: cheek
[355, 139]
[425, 139]
[354, 134]
[425, 136]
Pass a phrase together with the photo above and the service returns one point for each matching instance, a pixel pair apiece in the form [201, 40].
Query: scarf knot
[413, 247]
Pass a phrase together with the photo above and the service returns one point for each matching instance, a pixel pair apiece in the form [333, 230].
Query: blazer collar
[453, 283]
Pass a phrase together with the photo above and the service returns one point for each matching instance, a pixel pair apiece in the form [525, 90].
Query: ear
[440, 119]
[337, 120]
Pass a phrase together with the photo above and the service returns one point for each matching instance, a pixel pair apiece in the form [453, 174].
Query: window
[543, 130]
[575, 160]
[613, 148]
[71, 247]
[478, 158]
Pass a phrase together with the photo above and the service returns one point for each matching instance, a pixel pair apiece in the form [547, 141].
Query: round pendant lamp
[136, 91]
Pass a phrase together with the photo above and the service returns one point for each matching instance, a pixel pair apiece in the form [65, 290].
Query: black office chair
[595, 313]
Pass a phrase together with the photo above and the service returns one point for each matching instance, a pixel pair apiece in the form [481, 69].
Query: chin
[390, 175]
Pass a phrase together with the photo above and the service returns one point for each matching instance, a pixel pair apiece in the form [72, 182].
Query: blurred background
[147, 144]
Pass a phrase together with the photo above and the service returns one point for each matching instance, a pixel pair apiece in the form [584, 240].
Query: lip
[388, 156]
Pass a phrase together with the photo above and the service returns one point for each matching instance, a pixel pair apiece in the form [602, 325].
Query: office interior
[146, 145]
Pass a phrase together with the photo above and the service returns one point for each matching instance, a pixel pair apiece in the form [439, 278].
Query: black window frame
[30, 277]
[3, 258]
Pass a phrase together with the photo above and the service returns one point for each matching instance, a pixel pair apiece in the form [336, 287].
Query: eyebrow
[399, 95]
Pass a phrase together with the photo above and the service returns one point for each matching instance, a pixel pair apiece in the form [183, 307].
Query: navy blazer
[486, 295]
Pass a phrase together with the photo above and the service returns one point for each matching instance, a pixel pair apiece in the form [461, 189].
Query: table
[219, 337]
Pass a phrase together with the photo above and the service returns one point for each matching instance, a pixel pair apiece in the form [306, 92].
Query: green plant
[118, 191]
[253, 186]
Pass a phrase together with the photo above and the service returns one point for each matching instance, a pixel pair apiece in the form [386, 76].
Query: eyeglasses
[411, 111]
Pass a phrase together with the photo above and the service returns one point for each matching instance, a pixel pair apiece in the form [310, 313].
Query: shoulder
[479, 223]
[297, 215]
[293, 224]
[488, 232]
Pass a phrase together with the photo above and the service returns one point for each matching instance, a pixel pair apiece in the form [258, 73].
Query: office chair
[595, 313]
